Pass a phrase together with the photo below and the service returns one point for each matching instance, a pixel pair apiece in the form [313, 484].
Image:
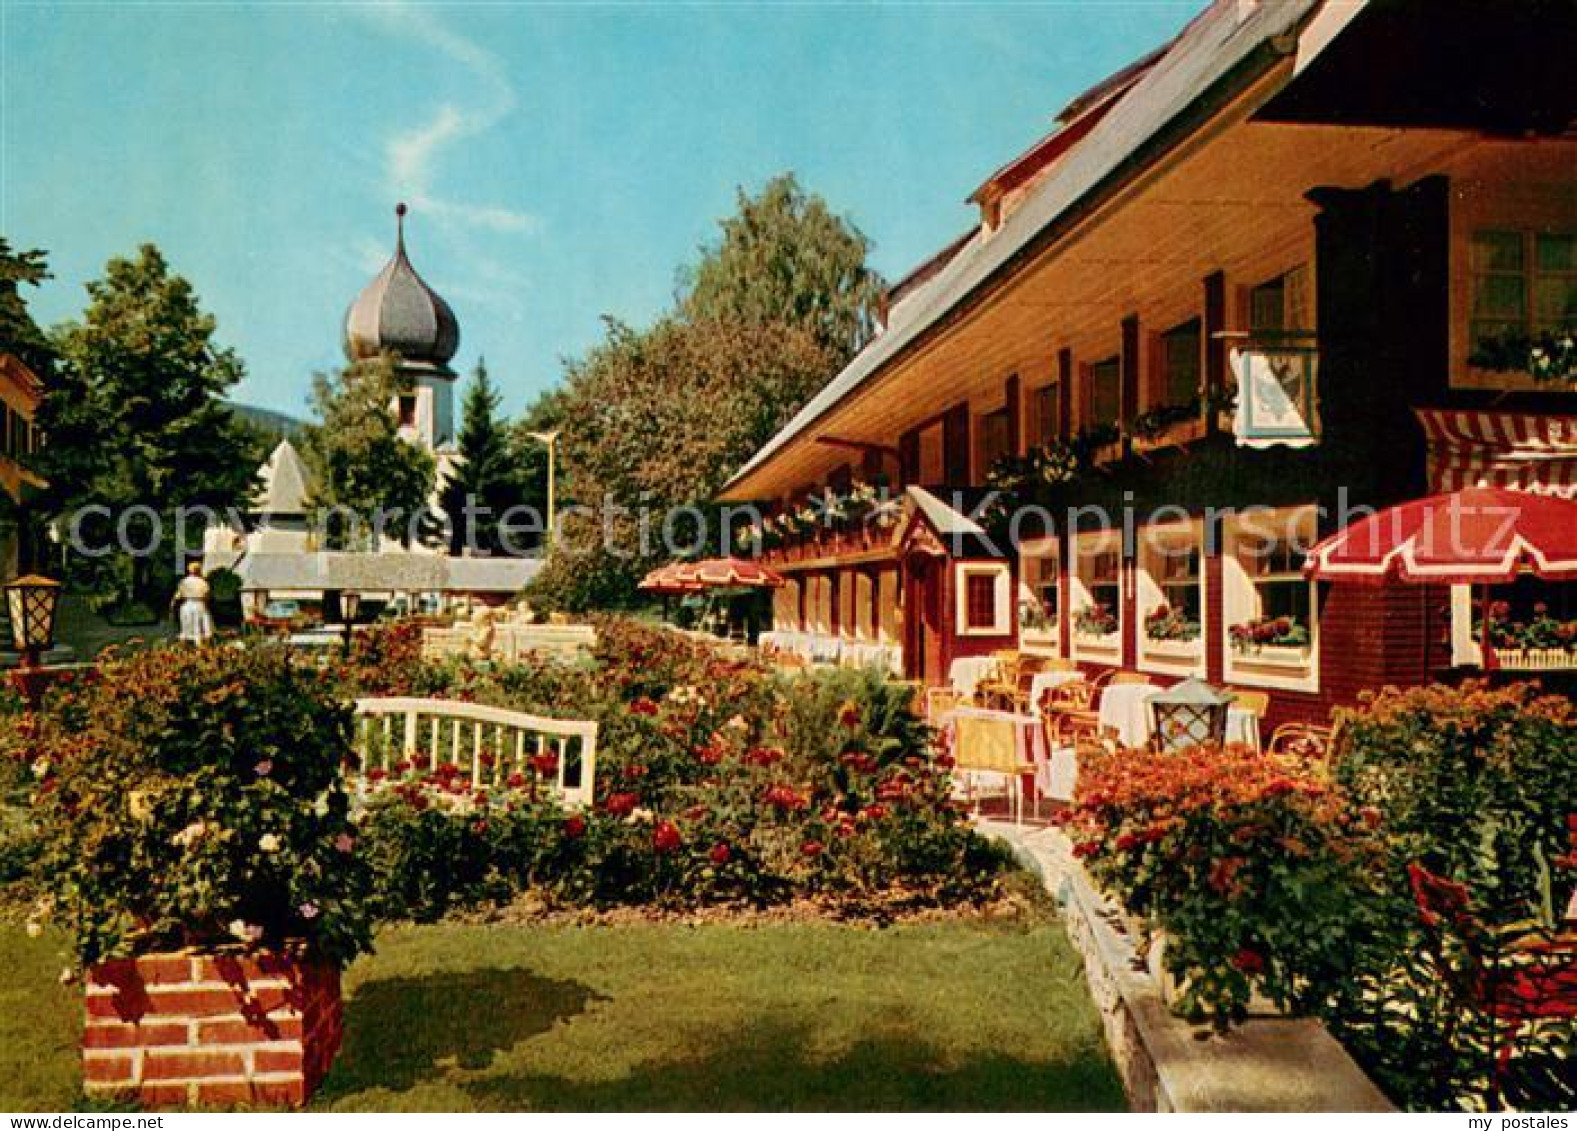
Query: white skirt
[196, 623]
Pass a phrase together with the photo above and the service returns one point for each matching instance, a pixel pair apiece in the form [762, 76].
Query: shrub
[1257, 873]
[1413, 901]
[195, 797]
[1476, 791]
[717, 782]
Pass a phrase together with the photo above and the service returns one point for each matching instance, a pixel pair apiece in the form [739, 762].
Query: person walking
[196, 622]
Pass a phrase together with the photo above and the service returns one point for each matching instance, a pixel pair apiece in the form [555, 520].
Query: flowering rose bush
[194, 797]
[1256, 872]
[1413, 902]
[1475, 789]
[718, 781]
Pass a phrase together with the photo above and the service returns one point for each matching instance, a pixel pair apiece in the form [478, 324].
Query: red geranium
[574, 826]
[811, 849]
[1248, 961]
[643, 706]
[721, 854]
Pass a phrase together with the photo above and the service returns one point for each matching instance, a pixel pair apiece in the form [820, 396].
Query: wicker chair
[1302, 742]
[1255, 703]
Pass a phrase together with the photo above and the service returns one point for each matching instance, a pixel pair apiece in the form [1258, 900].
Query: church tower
[398, 313]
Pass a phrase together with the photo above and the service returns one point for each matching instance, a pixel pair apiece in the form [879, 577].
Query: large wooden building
[20, 440]
[1269, 270]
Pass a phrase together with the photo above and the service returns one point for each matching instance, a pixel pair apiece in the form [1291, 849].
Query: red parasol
[1477, 536]
[730, 573]
[676, 577]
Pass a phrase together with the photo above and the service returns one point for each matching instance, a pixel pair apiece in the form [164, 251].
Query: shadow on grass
[770, 1067]
[401, 1032]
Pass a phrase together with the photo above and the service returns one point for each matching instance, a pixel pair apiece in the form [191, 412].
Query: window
[1281, 305]
[995, 439]
[1105, 392]
[983, 599]
[1040, 599]
[1180, 363]
[1170, 592]
[1268, 605]
[1101, 574]
[1523, 283]
[407, 408]
[1048, 413]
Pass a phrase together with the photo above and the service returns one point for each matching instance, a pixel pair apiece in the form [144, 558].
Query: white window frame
[1284, 669]
[1002, 603]
[1041, 642]
[1167, 657]
[1109, 649]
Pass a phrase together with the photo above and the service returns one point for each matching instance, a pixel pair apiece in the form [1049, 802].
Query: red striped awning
[1522, 451]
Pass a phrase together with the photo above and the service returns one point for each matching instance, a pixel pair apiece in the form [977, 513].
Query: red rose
[666, 838]
[1248, 961]
[545, 765]
[515, 780]
[643, 706]
[1086, 848]
[721, 854]
[849, 715]
[574, 826]
[621, 804]
[811, 849]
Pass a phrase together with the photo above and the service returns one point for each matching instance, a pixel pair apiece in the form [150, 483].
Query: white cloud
[414, 155]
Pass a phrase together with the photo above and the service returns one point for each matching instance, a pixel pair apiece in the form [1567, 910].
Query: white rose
[268, 842]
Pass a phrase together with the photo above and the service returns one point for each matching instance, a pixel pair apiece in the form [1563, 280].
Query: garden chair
[939, 701]
[990, 747]
[1070, 713]
[1304, 742]
[998, 690]
[1255, 703]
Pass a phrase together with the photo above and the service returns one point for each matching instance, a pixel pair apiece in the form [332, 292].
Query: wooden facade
[20, 441]
[1274, 218]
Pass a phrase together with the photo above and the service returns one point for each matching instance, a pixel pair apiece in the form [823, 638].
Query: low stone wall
[215, 1030]
[1270, 1063]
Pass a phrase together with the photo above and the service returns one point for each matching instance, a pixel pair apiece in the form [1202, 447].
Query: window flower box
[1536, 659]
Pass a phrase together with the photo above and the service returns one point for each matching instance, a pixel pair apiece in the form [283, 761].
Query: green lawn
[812, 1016]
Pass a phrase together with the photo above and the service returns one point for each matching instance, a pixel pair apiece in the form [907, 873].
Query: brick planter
[211, 1028]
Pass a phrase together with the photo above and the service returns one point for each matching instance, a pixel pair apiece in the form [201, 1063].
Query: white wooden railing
[489, 744]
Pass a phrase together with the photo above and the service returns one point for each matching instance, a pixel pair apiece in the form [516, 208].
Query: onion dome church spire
[399, 313]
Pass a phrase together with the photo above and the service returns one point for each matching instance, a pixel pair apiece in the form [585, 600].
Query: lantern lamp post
[1190, 713]
[32, 603]
[349, 606]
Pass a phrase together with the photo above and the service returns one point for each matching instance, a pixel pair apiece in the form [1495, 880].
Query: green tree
[658, 420]
[19, 334]
[487, 481]
[365, 474]
[136, 419]
[784, 257]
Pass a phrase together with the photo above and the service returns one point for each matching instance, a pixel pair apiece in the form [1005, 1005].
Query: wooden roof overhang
[1210, 191]
[1221, 207]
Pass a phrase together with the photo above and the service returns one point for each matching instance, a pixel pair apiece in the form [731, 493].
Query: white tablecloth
[966, 673]
[1125, 709]
[1044, 682]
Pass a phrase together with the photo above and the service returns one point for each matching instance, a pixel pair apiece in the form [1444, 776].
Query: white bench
[429, 732]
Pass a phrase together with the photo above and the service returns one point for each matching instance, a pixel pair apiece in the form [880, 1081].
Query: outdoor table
[966, 673]
[1125, 709]
[1043, 682]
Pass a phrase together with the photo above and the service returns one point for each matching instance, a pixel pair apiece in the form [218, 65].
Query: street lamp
[349, 606]
[32, 602]
[551, 439]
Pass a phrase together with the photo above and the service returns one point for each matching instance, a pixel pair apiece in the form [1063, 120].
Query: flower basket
[215, 1028]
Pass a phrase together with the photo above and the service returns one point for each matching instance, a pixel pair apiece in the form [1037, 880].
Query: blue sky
[560, 161]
